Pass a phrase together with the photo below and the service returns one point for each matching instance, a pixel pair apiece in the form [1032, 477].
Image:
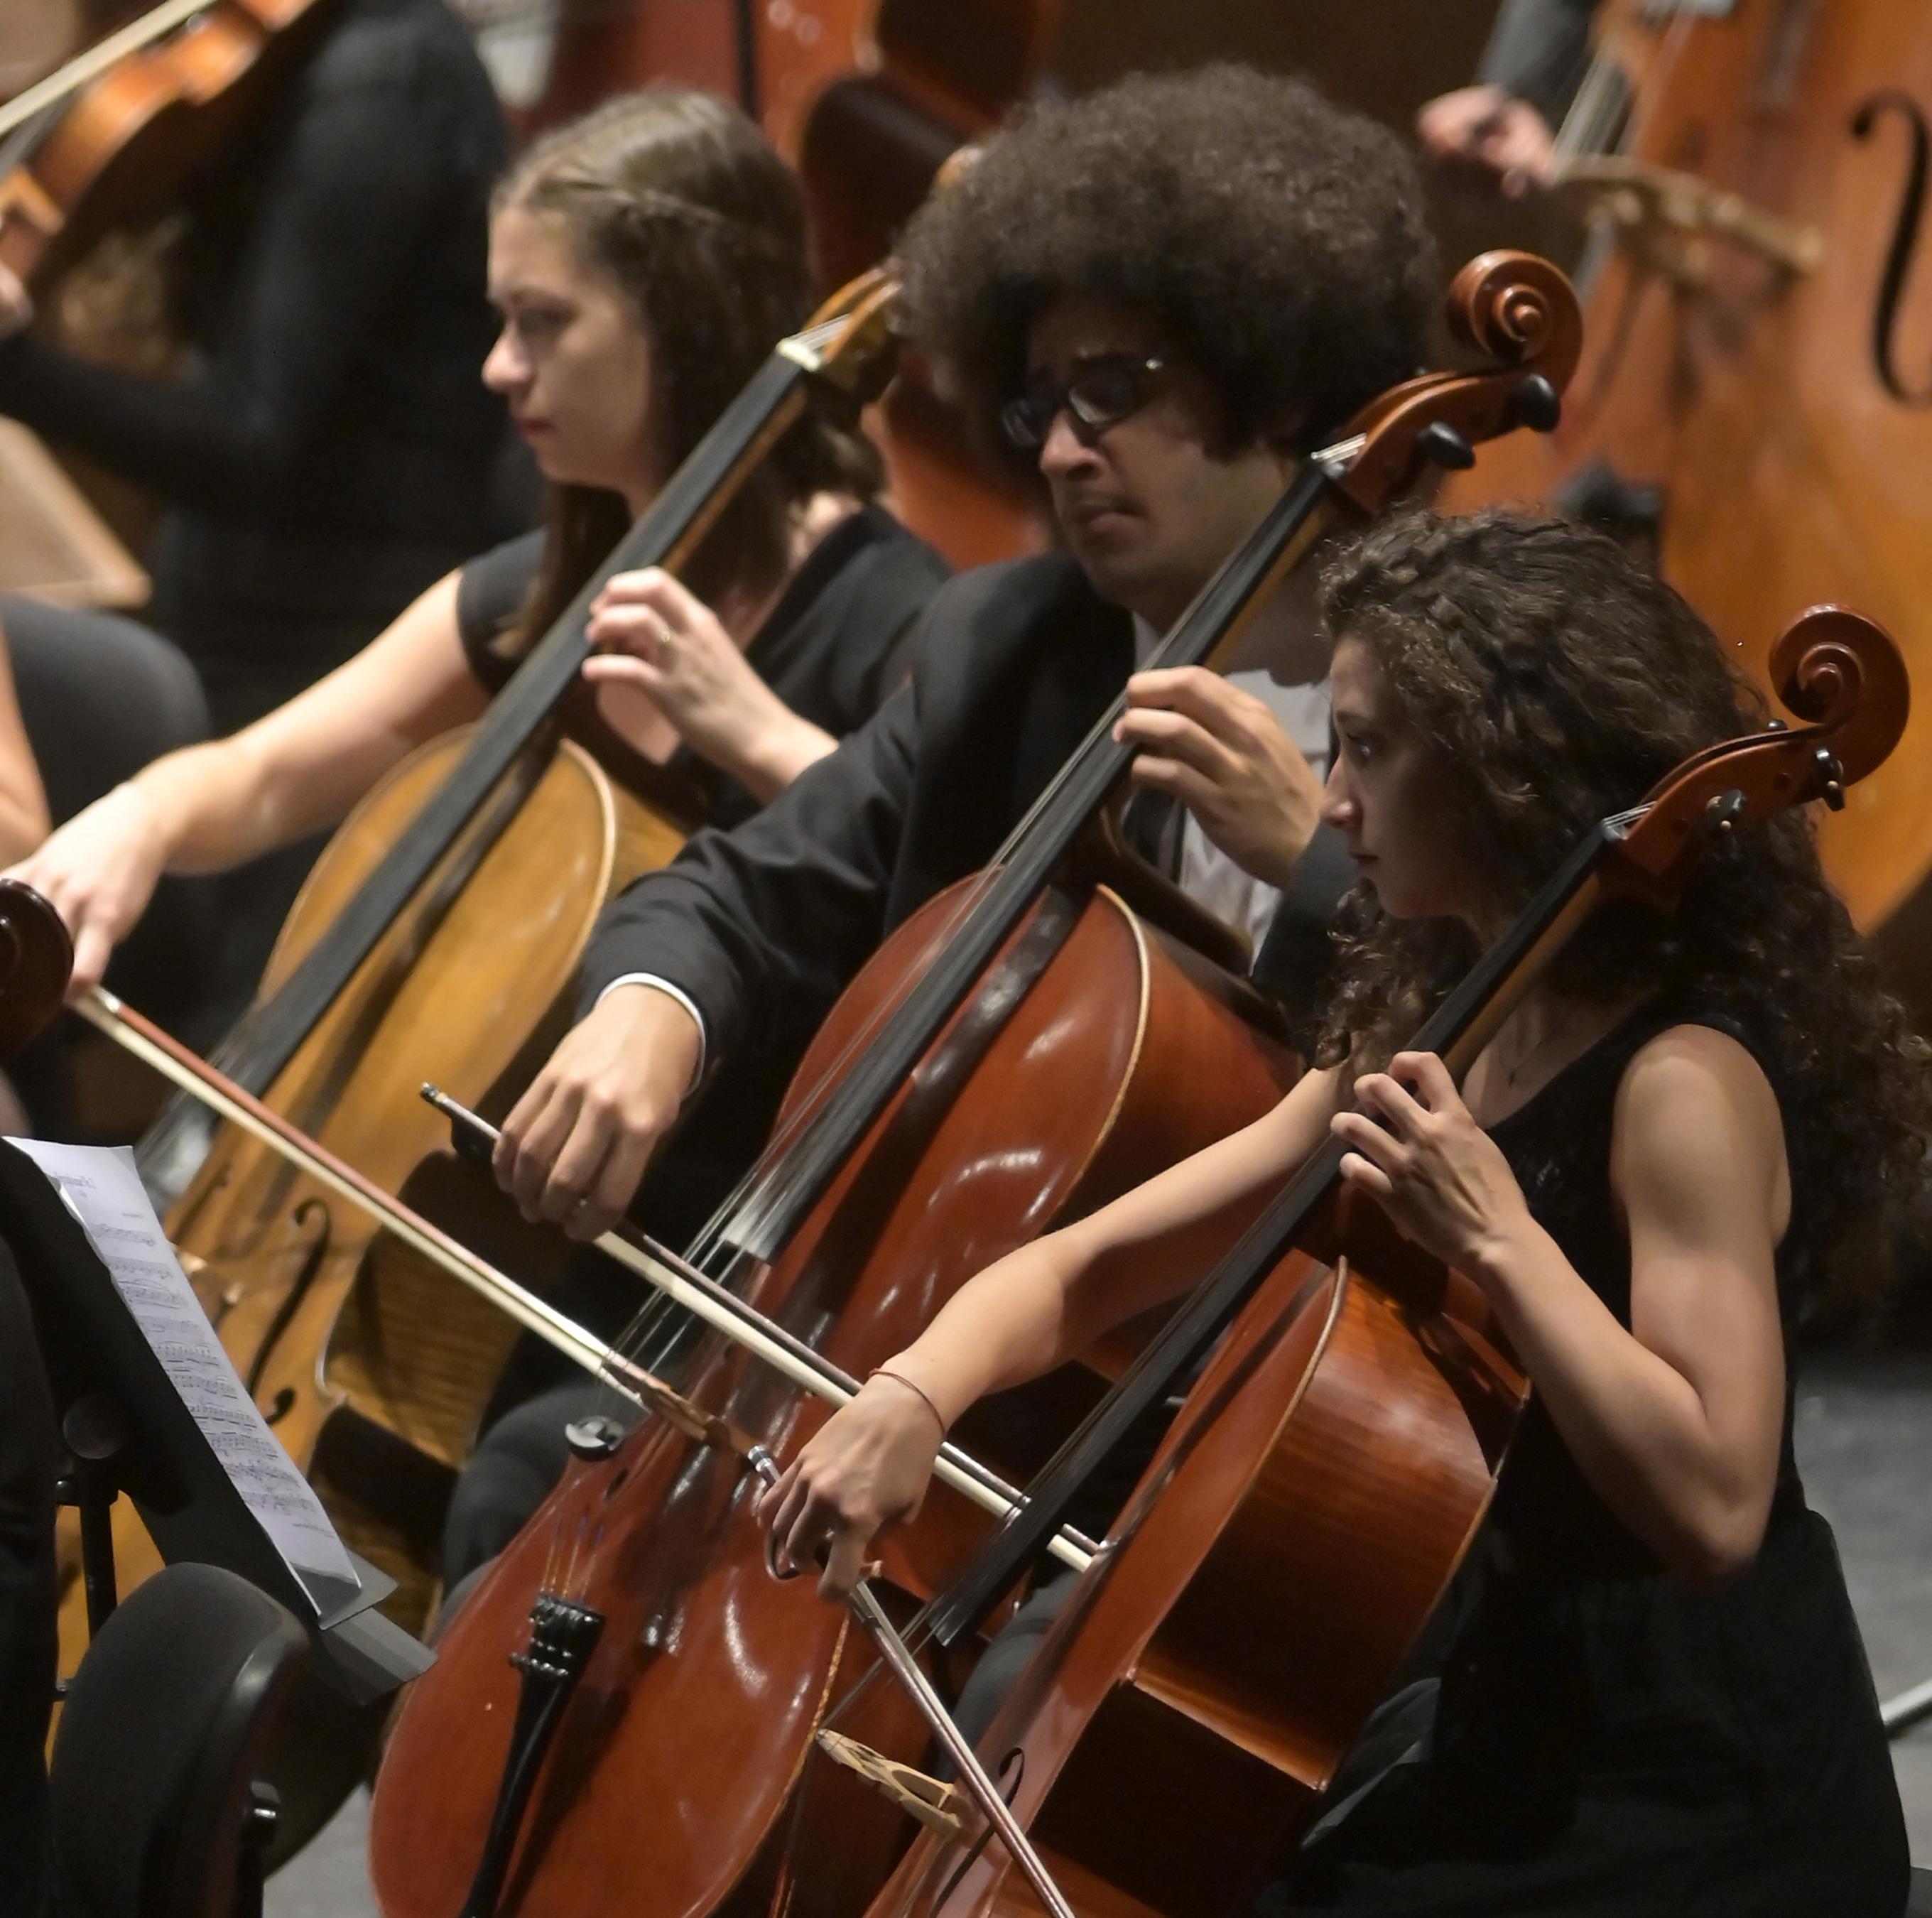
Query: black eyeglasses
[1102, 393]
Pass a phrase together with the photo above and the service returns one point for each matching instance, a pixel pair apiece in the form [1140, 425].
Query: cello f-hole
[1012, 1770]
[1904, 238]
[311, 1208]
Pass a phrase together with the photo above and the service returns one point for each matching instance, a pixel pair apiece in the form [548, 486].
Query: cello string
[804, 1108]
[1605, 104]
[17, 149]
[659, 1315]
[554, 1555]
[771, 1177]
[89, 64]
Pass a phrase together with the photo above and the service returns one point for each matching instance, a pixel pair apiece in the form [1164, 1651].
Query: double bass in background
[1022, 1047]
[1755, 389]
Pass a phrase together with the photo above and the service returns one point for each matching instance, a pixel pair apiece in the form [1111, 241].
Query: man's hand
[16, 304]
[1485, 128]
[576, 1144]
[1223, 754]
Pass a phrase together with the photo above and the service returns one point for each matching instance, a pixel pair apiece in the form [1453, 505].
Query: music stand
[129, 1432]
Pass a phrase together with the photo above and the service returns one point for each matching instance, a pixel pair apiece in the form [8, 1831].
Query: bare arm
[1674, 1423]
[1044, 1303]
[299, 768]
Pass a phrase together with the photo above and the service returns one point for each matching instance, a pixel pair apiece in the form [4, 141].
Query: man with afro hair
[1156, 299]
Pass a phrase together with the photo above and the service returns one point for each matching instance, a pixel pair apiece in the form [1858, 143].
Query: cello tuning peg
[1441, 444]
[1830, 777]
[1535, 403]
[1724, 811]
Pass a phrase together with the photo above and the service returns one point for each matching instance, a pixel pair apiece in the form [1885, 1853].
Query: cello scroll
[1522, 313]
[1837, 671]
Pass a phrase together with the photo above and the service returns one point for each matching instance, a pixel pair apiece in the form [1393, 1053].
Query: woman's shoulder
[1694, 1100]
[1689, 1052]
[490, 591]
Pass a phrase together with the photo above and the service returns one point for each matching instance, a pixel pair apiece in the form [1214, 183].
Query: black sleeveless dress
[1606, 1740]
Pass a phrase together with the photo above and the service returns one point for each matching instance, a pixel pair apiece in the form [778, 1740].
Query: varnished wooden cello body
[446, 918]
[1194, 1697]
[1760, 351]
[1016, 1051]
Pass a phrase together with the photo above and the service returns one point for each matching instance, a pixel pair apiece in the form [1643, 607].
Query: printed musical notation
[104, 1192]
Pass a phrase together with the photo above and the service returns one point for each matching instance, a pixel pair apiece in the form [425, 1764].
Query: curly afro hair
[1278, 240]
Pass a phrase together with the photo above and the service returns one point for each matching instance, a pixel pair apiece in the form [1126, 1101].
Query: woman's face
[572, 361]
[1385, 795]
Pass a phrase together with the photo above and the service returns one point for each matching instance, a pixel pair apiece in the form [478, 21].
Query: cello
[1757, 352]
[1022, 1048]
[413, 938]
[1195, 1695]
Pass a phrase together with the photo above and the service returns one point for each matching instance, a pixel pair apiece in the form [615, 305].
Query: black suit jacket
[764, 925]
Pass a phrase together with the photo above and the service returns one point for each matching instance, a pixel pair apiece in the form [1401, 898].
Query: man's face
[1144, 508]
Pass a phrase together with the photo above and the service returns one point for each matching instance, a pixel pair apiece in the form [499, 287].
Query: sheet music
[104, 1192]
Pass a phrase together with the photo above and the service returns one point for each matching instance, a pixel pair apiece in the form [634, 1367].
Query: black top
[1608, 1738]
[763, 926]
[1539, 50]
[831, 648]
[330, 450]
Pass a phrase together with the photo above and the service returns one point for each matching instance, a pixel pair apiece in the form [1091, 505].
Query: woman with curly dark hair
[1654, 1698]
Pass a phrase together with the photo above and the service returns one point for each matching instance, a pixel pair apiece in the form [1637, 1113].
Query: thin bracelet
[925, 1398]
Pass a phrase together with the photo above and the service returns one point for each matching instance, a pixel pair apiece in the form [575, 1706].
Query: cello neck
[268, 1036]
[759, 1217]
[1457, 1030]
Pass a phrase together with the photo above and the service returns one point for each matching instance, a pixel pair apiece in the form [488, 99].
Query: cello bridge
[938, 1806]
